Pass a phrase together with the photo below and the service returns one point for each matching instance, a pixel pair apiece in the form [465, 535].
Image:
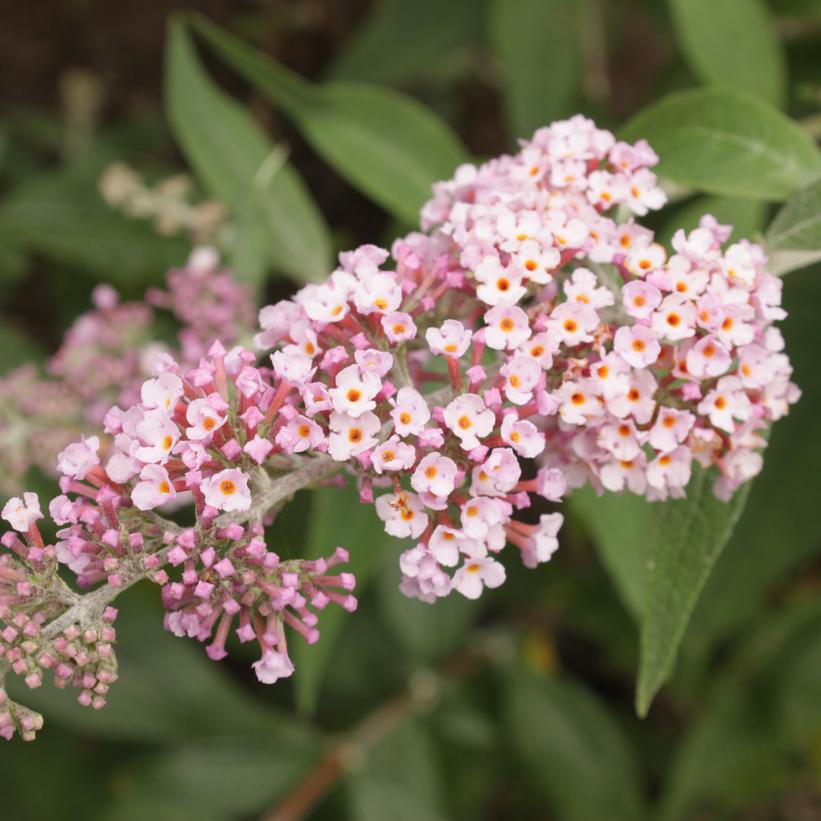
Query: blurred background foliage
[522, 705]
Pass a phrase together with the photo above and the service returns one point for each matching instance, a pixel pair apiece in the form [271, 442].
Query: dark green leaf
[731, 43]
[237, 162]
[573, 752]
[386, 144]
[727, 142]
[685, 539]
[536, 42]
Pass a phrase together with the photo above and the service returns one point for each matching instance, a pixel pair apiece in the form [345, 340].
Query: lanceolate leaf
[571, 749]
[727, 142]
[731, 43]
[684, 540]
[794, 236]
[232, 156]
[386, 144]
[536, 43]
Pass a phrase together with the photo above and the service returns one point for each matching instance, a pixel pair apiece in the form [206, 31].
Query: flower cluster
[106, 355]
[531, 339]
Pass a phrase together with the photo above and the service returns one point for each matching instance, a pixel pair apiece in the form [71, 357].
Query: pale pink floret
[79, 458]
[477, 574]
[155, 488]
[227, 490]
[451, 339]
[468, 418]
[21, 514]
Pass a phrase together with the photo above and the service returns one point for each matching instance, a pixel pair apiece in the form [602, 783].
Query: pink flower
[543, 541]
[162, 392]
[469, 419]
[675, 318]
[154, 488]
[481, 514]
[374, 362]
[451, 339]
[583, 286]
[299, 435]
[355, 391]
[158, 435]
[497, 475]
[573, 323]
[726, 403]
[476, 574]
[410, 412]
[203, 419]
[403, 514]
[670, 471]
[535, 261]
[398, 326]
[507, 327]
[708, 358]
[295, 367]
[21, 514]
[351, 436]
[640, 298]
[498, 285]
[394, 454]
[227, 490]
[522, 435]
[79, 458]
[273, 666]
[671, 429]
[522, 374]
[435, 474]
[637, 345]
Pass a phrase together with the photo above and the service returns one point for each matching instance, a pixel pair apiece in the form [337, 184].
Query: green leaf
[442, 35]
[686, 537]
[219, 781]
[572, 750]
[168, 689]
[537, 45]
[727, 142]
[794, 236]
[619, 524]
[236, 161]
[386, 144]
[398, 780]
[337, 518]
[732, 43]
[62, 216]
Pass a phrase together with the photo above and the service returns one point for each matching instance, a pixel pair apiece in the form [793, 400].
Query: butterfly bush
[532, 338]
